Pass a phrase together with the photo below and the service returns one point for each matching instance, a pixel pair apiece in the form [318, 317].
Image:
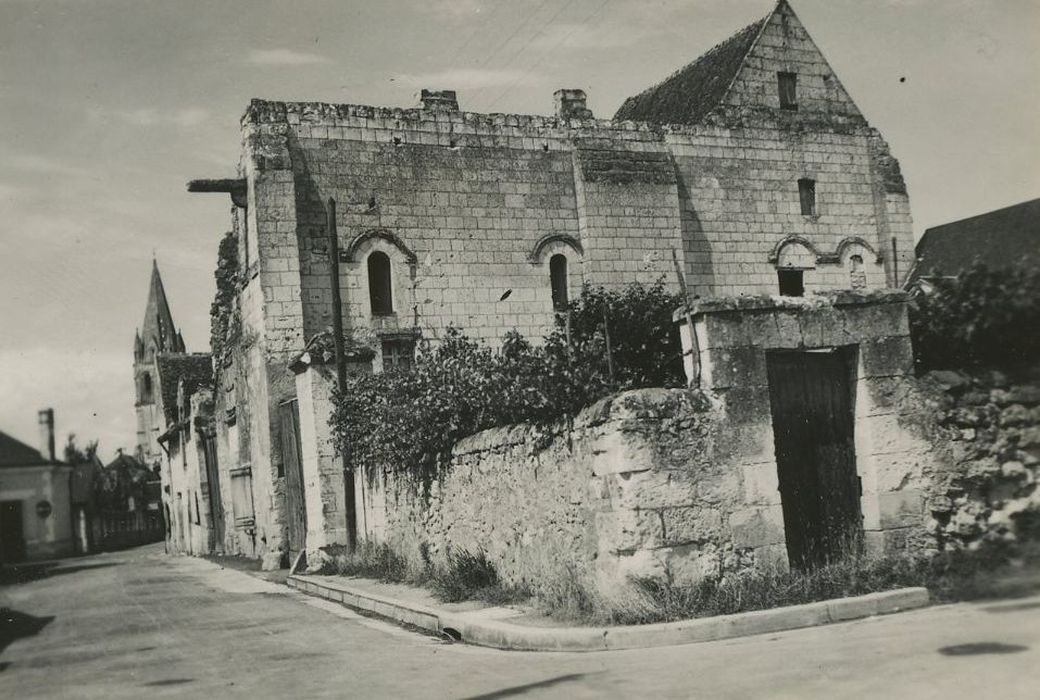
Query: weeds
[466, 576]
[949, 576]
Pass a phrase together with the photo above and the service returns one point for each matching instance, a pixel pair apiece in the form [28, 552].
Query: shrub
[982, 317]
[408, 421]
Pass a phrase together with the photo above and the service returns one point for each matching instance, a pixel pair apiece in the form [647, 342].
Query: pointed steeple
[157, 330]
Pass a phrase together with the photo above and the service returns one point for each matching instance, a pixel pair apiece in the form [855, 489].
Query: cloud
[92, 394]
[45, 165]
[467, 78]
[150, 116]
[284, 57]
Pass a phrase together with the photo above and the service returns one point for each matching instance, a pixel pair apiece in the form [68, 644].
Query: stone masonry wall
[987, 423]
[642, 484]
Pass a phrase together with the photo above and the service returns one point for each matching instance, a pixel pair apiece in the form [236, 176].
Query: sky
[108, 107]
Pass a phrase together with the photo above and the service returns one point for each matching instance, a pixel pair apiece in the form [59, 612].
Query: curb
[473, 628]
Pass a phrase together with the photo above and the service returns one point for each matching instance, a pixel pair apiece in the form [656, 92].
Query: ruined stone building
[751, 168]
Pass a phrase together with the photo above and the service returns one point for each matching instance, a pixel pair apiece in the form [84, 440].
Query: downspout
[341, 368]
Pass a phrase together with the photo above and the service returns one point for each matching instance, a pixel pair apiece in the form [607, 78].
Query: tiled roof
[997, 239]
[196, 369]
[15, 453]
[127, 467]
[689, 94]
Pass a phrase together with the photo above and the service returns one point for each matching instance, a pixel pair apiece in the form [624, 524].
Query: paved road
[139, 624]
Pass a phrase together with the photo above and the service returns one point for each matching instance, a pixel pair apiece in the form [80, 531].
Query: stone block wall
[644, 484]
[895, 464]
[464, 204]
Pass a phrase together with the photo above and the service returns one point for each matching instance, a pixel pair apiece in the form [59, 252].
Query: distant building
[127, 505]
[167, 377]
[35, 499]
[997, 239]
[157, 336]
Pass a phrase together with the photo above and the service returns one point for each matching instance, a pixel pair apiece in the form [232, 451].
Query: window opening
[807, 195]
[146, 388]
[379, 290]
[398, 354]
[558, 280]
[858, 276]
[787, 84]
[791, 283]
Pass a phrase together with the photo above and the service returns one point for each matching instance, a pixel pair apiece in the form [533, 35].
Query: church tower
[156, 335]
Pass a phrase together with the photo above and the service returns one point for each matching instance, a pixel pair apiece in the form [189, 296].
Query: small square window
[807, 195]
[791, 283]
[398, 354]
[787, 84]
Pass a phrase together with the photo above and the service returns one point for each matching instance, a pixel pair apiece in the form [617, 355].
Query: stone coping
[811, 301]
[491, 627]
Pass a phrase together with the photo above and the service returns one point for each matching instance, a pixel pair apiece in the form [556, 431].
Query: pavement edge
[504, 635]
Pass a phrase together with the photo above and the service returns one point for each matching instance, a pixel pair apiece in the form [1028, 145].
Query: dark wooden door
[12, 534]
[811, 397]
[295, 505]
[216, 504]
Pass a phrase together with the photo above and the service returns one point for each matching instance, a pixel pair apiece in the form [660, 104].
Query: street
[139, 623]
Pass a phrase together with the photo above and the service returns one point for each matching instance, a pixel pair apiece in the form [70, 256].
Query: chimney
[570, 104]
[46, 419]
[439, 100]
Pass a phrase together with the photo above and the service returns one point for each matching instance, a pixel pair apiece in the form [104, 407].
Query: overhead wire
[599, 9]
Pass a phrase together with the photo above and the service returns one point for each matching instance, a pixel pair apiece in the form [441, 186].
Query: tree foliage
[410, 420]
[982, 317]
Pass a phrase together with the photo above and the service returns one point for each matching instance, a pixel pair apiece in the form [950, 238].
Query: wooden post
[895, 264]
[695, 380]
[610, 355]
[341, 368]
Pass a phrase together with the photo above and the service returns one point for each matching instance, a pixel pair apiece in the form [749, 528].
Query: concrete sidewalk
[514, 628]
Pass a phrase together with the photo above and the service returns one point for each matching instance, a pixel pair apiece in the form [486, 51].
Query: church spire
[157, 330]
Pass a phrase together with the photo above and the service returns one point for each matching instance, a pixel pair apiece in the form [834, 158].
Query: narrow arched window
[146, 388]
[558, 280]
[857, 275]
[379, 290]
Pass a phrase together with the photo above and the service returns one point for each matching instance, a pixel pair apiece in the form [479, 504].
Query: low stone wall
[642, 484]
[987, 425]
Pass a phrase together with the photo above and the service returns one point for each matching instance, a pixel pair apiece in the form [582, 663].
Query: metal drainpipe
[341, 368]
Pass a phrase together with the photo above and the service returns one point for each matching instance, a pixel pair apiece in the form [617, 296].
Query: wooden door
[216, 505]
[295, 505]
[12, 534]
[811, 397]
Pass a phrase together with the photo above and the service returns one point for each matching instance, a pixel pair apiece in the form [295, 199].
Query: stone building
[156, 336]
[35, 499]
[169, 383]
[751, 169]
[997, 239]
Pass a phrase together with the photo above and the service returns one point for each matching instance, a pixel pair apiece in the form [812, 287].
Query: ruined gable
[783, 46]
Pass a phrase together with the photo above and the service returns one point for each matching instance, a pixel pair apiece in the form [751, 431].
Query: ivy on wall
[607, 341]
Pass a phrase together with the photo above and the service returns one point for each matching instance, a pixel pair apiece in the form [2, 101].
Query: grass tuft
[466, 576]
[950, 576]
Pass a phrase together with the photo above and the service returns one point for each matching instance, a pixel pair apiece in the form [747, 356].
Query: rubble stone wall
[988, 425]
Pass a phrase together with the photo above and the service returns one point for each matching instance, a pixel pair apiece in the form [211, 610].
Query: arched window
[146, 387]
[379, 290]
[558, 280]
[857, 275]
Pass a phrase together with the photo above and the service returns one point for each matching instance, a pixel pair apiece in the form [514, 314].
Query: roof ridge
[699, 75]
[983, 215]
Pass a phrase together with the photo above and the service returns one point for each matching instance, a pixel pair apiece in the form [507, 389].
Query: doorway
[12, 534]
[811, 395]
